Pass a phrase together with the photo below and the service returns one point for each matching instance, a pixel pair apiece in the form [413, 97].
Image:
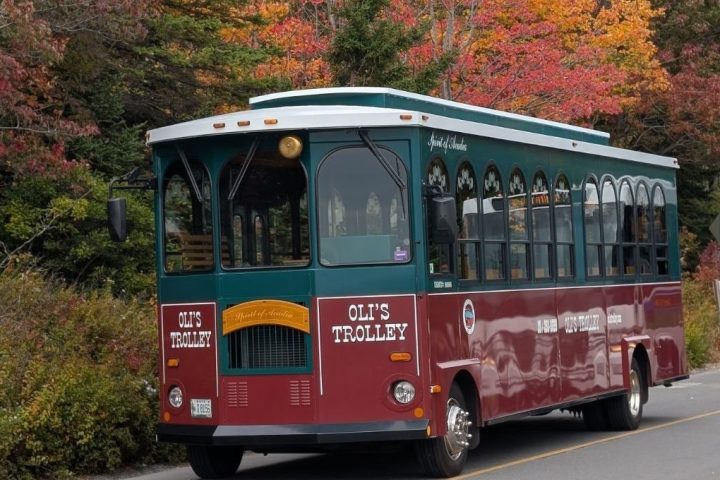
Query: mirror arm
[132, 181]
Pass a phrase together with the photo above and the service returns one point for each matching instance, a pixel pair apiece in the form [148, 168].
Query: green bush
[702, 324]
[77, 380]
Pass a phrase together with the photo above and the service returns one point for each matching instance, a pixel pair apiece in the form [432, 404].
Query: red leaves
[709, 266]
[33, 105]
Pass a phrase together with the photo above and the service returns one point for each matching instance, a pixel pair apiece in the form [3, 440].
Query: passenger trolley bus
[354, 265]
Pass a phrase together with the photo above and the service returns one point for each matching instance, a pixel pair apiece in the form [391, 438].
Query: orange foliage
[560, 59]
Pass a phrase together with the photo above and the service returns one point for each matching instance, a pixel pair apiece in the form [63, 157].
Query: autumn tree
[368, 49]
[683, 120]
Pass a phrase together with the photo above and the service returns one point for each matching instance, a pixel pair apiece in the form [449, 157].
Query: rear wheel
[214, 461]
[446, 456]
[624, 412]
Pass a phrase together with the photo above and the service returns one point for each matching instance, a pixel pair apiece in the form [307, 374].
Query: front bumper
[292, 435]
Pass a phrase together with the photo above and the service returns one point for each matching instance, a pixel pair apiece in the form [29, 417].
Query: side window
[467, 210]
[660, 237]
[627, 224]
[611, 233]
[439, 256]
[591, 220]
[541, 222]
[493, 225]
[644, 238]
[187, 217]
[518, 226]
[563, 228]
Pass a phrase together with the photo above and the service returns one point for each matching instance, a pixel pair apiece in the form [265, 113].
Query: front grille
[267, 346]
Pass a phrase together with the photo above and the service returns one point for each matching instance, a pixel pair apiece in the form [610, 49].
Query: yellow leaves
[621, 29]
[76, 209]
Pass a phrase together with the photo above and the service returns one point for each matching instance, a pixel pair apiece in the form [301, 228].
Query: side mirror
[443, 219]
[117, 219]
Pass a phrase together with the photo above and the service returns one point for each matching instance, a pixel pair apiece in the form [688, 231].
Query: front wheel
[214, 461]
[625, 411]
[446, 456]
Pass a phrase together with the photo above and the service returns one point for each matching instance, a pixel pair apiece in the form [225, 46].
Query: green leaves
[75, 370]
[367, 49]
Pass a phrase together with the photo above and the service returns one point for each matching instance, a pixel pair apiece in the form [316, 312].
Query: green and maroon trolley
[352, 265]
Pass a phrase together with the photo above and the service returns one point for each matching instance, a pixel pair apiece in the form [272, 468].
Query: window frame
[648, 244]
[655, 243]
[549, 244]
[557, 243]
[472, 243]
[527, 242]
[586, 244]
[316, 209]
[502, 243]
[250, 218]
[176, 160]
[616, 243]
[631, 243]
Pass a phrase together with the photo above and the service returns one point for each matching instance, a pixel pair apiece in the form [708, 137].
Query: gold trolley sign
[266, 312]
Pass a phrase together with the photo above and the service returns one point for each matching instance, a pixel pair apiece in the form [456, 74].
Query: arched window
[541, 225]
[627, 224]
[439, 255]
[518, 225]
[467, 210]
[660, 236]
[610, 231]
[493, 224]
[591, 217]
[437, 174]
[563, 228]
[644, 238]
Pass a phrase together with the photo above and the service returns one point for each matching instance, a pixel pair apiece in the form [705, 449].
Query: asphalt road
[679, 438]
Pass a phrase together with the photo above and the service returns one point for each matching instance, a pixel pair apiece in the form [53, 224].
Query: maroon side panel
[514, 339]
[189, 335]
[584, 357]
[662, 310]
[356, 337]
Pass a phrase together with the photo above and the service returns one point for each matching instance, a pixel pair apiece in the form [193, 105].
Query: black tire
[624, 412]
[445, 456]
[593, 414]
[214, 461]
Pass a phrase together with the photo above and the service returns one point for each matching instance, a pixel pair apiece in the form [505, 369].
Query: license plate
[200, 408]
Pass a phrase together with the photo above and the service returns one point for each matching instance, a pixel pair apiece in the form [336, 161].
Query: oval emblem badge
[468, 316]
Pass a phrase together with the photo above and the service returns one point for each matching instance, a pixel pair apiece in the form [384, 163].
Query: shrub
[77, 380]
[700, 310]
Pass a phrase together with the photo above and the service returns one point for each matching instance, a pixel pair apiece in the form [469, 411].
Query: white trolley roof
[305, 117]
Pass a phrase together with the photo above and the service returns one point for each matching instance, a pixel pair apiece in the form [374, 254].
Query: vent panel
[236, 394]
[267, 347]
[300, 393]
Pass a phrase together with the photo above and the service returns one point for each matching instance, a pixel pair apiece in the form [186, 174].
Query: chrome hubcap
[634, 396]
[458, 429]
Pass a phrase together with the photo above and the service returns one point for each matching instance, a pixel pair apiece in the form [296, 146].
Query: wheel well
[640, 354]
[467, 384]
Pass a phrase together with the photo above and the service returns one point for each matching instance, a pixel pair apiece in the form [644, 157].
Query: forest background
[81, 81]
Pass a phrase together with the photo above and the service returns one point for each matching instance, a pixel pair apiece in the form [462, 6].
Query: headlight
[175, 397]
[404, 392]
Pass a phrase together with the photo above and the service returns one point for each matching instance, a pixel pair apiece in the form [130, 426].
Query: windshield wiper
[190, 175]
[388, 168]
[243, 168]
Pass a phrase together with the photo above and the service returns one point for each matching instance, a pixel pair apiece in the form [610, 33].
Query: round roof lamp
[290, 146]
